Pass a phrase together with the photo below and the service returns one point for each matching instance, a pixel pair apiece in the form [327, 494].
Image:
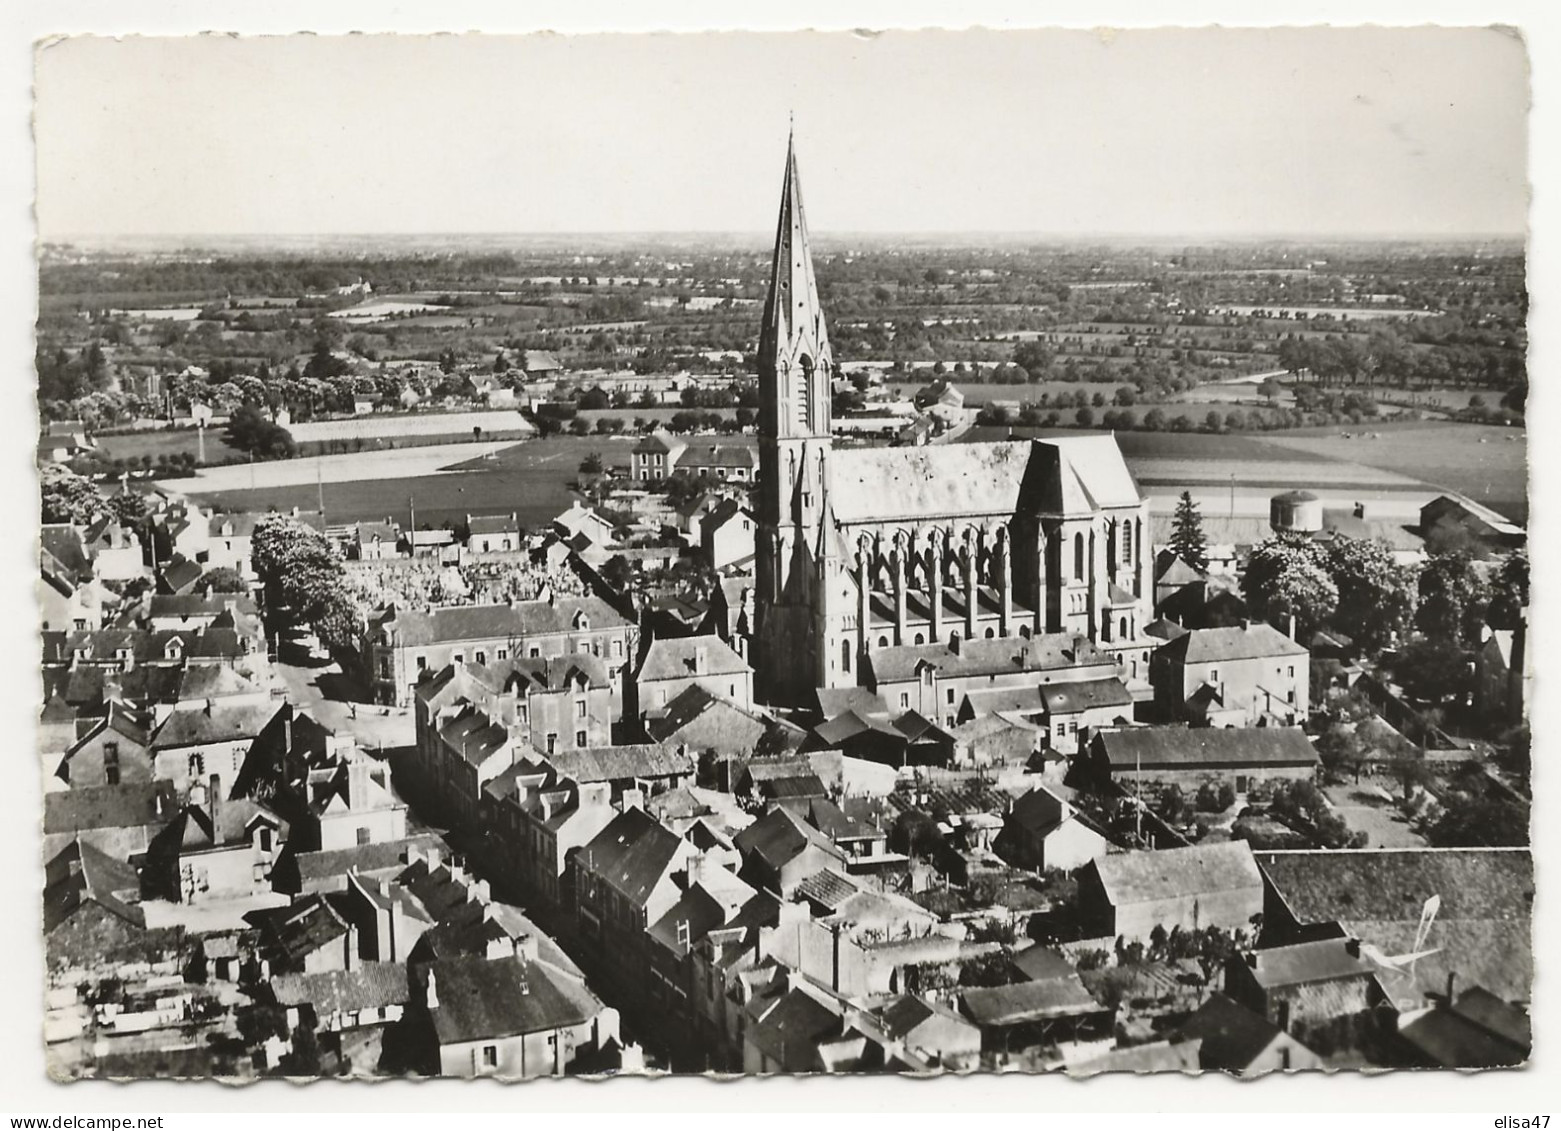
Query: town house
[401, 648]
[1241, 676]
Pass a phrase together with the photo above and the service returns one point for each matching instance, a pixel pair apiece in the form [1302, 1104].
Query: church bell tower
[796, 542]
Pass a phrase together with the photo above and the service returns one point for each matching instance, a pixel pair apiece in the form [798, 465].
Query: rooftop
[1180, 747]
[481, 998]
[1141, 877]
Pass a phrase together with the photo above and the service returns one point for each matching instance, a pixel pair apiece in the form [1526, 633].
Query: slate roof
[1177, 571]
[702, 908]
[131, 805]
[309, 924]
[616, 763]
[63, 542]
[1042, 964]
[1047, 652]
[492, 524]
[1256, 641]
[200, 726]
[953, 480]
[1180, 747]
[195, 605]
[364, 858]
[1321, 960]
[779, 837]
[1482, 931]
[1085, 695]
[696, 701]
[677, 658]
[475, 735]
[1161, 1056]
[196, 830]
[81, 874]
[1479, 1030]
[1023, 1002]
[484, 999]
[486, 622]
[789, 1031]
[1140, 877]
[631, 854]
[719, 455]
[1233, 1037]
[374, 985]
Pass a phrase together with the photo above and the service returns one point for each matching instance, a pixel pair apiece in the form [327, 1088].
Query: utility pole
[319, 486]
[1233, 494]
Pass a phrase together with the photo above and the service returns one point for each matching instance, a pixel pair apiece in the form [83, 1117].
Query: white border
[23, 1086]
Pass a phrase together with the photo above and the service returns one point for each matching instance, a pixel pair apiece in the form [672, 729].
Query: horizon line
[837, 234]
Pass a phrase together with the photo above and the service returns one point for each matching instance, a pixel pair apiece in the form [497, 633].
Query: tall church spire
[795, 362]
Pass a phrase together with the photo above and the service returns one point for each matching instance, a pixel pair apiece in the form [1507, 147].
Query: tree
[337, 619]
[1287, 583]
[300, 571]
[129, 509]
[250, 430]
[591, 464]
[1376, 594]
[1482, 822]
[1085, 417]
[223, 579]
[1188, 541]
[1509, 592]
[68, 497]
[1342, 750]
[1432, 671]
[500, 362]
[1453, 597]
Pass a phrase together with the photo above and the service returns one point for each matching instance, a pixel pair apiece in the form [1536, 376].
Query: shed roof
[1142, 877]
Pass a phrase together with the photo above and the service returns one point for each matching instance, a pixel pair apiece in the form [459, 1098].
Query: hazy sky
[1196, 132]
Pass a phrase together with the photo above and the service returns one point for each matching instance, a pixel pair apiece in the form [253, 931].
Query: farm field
[376, 426]
[529, 478]
[135, 445]
[1488, 463]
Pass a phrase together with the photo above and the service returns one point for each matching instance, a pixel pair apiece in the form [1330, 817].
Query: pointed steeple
[792, 336]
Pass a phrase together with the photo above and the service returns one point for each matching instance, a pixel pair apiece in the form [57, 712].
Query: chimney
[1284, 1059]
[431, 997]
[1452, 985]
[433, 857]
[1352, 947]
[214, 807]
[1252, 959]
[210, 703]
[954, 643]
[357, 782]
[1079, 643]
[1360, 510]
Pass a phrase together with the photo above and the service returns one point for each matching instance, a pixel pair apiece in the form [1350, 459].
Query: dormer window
[582, 622]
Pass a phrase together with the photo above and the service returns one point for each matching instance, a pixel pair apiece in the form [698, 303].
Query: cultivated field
[530, 478]
[134, 445]
[1488, 463]
[385, 427]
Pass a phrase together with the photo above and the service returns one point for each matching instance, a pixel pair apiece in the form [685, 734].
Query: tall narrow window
[1078, 557]
[845, 655]
[1127, 542]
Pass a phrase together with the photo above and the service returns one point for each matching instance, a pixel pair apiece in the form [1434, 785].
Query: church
[946, 556]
